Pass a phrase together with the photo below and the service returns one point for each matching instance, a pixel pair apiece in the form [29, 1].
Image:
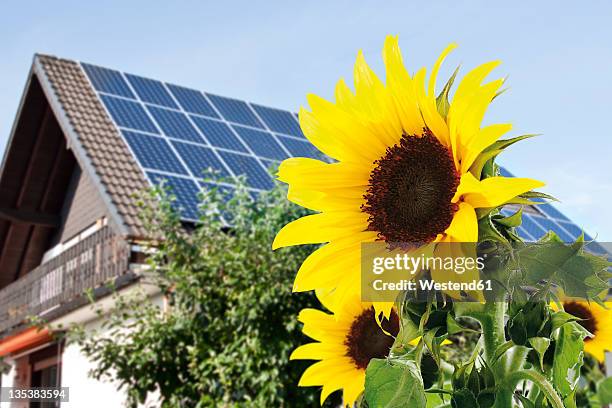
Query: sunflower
[405, 168]
[598, 321]
[347, 340]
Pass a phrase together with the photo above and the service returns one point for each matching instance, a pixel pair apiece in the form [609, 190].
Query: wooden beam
[30, 217]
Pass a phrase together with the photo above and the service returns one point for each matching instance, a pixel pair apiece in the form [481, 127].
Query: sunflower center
[366, 340]
[581, 311]
[410, 191]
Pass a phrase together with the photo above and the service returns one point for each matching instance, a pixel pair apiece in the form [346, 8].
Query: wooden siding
[83, 206]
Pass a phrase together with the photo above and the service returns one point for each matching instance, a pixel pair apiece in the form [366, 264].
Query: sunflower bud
[527, 320]
[473, 387]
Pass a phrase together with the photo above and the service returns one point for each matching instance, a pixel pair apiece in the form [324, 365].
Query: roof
[95, 139]
[128, 132]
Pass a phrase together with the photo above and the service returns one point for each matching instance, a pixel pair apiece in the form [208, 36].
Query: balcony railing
[58, 283]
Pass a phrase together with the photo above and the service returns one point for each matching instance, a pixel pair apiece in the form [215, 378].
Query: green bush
[231, 324]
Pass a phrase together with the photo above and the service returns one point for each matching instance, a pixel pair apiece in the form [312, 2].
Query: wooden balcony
[58, 286]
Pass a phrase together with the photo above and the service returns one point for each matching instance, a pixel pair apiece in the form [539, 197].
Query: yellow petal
[348, 200]
[328, 140]
[493, 191]
[472, 80]
[313, 173]
[483, 139]
[353, 389]
[318, 351]
[429, 110]
[341, 380]
[319, 228]
[321, 326]
[323, 371]
[466, 118]
[464, 226]
[348, 130]
[338, 260]
[401, 88]
[375, 103]
[431, 91]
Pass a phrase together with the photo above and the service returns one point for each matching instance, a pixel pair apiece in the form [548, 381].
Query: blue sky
[557, 55]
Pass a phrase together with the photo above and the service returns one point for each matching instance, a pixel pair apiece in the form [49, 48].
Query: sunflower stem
[506, 391]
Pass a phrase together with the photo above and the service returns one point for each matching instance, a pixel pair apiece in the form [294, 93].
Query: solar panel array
[177, 133]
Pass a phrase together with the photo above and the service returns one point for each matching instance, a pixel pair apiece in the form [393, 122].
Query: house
[85, 139]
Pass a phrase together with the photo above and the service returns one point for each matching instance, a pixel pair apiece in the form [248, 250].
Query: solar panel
[550, 225]
[128, 114]
[108, 80]
[151, 91]
[263, 144]
[177, 133]
[219, 134]
[199, 159]
[192, 101]
[278, 120]
[552, 212]
[153, 152]
[256, 176]
[185, 190]
[175, 124]
[235, 111]
[300, 148]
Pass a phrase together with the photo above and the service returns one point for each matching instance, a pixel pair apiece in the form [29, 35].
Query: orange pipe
[26, 339]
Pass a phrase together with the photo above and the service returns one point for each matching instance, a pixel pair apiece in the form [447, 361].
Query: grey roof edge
[75, 144]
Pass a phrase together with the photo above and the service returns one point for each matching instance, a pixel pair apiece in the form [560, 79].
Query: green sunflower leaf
[442, 102]
[538, 194]
[540, 345]
[567, 359]
[505, 143]
[578, 272]
[513, 220]
[484, 166]
[604, 391]
[394, 384]
[561, 317]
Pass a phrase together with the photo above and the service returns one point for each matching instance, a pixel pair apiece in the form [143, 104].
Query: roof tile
[118, 174]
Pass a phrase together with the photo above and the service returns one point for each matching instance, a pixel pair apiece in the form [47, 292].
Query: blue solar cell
[219, 134]
[573, 229]
[128, 114]
[175, 124]
[153, 152]
[192, 101]
[199, 159]
[552, 212]
[151, 91]
[270, 165]
[261, 143]
[235, 111]
[108, 80]
[299, 148]
[279, 120]
[550, 225]
[186, 192]
[534, 229]
[598, 248]
[256, 176]
[522, 232]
